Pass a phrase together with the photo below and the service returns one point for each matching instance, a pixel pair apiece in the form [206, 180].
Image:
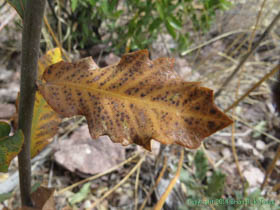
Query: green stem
[33, 18]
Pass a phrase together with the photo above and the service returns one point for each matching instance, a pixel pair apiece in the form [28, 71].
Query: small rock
[111, 59]
[183, 68]
[226, 152]
[7, 111]
[9, 94]
[83, 154]
[252, 174]
[5, 75]
[155, 145]
[260, 145]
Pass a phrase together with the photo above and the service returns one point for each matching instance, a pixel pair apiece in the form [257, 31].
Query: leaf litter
[221, 140]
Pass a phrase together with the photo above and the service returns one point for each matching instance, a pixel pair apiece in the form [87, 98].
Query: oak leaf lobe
[134, 101]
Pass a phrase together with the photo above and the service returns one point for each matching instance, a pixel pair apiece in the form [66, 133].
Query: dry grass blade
[235, 153]
[98, 175]
[211, 41]
[156, 184]
[7, 19]
[138, 165]
[272, 72]
[212, 163]
[271, 167]
[255, 129]
[136, 187]
[55, 39]
[237, 91]
[244, 59]
[172, 183]
[276, 187]
[233, 139]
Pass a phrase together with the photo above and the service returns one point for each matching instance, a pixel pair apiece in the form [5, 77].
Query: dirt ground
[254, 137]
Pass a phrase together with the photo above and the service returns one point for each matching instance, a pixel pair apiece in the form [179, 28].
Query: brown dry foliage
[134, 101]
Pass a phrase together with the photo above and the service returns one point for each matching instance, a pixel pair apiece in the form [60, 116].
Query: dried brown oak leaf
[43, 199]
[134, 101]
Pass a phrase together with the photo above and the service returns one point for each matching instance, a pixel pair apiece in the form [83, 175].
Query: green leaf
[225, 5]
[5, 196]
[174, 22]
[201, 165]
[105, 7]
[185, 176]
[183, 42]
[170, 29]
[81, 195]
[261, 126]
[19, 6]
[10, 146]
[117, 14]
[35, 186]
[216, 185]
[160, 10]
[155, 24]
[74, 4]
[91, 2]
[4, 129]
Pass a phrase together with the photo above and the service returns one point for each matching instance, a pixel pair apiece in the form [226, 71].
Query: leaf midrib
[136, 100]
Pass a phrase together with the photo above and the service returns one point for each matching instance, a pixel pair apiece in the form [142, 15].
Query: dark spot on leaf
[213, 111]
[211, 125]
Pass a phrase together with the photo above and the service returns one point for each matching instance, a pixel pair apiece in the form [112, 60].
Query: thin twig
[119, 184]
[98, 175]
[233, 147]
[237, 92]
[33, 19]
[172, 183]
[235, 41]
[255, 129]
[271, 167]
[211, 41]
[156, 184]
[8, 19]
[265, 77]
[212, 163]
[244, 59]
[52, 9]
[276, 187]
[136, 187]
[55, 39]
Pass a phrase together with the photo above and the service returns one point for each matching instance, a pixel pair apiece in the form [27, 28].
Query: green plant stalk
[33, 18]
